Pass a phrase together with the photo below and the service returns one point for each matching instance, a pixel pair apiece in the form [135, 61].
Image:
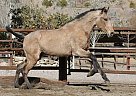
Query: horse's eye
[105, 19]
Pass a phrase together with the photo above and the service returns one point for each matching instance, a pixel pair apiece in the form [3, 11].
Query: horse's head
[103, 22]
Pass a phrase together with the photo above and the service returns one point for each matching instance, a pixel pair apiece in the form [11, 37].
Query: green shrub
[62, 3]
[47, 3]
[4, 36]
[57, 20]
[87, 4]
[132, 5]
[34, 18]
[26, 17]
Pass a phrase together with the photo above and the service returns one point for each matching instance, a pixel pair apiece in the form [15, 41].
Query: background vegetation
[26, 17]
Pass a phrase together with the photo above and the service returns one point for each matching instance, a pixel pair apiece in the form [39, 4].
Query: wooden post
[128, 62]
[115, 61]
[69, 66]
[11, 46]
[11, 59]
[102, 60]
[63, 69]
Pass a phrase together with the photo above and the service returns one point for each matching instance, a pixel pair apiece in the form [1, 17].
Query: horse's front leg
[95, 63]
[96, 66]
[87, 54]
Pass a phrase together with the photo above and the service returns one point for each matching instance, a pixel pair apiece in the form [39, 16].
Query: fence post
[63, 68]
[128, 62]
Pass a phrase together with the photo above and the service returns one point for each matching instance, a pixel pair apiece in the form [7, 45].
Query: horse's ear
[108, 8]
[104, 10]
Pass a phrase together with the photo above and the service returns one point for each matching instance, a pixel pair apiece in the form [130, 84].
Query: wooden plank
[123, 50]
[11, 49]
[106, 71]
[5, 57]
[34, 68]
[124, 29]
[121, 29]
[114, 49]
[71, 70]
[120, 72]
[7, 67]
[6, 40]
[118, 48]
[122, 32]
[5, 52]
[18, 30]
[31, 30]
[117, 54]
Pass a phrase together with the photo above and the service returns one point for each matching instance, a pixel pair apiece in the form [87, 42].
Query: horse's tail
[14, 33]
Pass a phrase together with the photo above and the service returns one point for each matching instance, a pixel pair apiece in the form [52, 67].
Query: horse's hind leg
[16, 82]
[19, 70]
[31, 61]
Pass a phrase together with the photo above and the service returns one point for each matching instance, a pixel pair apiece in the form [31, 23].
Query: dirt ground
[46, 87]
[45, 83]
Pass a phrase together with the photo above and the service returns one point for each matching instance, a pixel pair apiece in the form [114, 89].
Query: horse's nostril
[112, 33]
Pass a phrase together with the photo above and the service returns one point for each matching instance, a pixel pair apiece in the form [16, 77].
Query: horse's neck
[86, 25]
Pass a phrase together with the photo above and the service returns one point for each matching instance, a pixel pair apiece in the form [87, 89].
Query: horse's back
[51, 42]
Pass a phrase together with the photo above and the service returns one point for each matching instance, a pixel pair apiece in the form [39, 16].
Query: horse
[72, 39]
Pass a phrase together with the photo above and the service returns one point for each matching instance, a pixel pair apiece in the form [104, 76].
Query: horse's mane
[84, 13]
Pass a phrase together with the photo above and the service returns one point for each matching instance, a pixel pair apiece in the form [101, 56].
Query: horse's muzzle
[112, 33]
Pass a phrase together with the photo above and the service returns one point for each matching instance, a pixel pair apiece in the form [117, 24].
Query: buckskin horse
[71, 39]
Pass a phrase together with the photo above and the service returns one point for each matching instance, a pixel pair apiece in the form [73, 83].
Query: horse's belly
[57, 51]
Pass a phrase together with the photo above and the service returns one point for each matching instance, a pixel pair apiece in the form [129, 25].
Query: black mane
[84, 13]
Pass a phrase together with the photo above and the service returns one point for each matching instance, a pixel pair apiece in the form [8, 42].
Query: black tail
[14, 33]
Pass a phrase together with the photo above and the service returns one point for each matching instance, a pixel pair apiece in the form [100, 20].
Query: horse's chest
[84, 41]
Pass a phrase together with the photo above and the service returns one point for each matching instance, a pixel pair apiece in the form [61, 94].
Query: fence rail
[31, 30]
[122, 30]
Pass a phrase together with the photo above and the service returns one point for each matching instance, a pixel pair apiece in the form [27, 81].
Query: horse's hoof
[91, 73]
[107, 83]
[29, 86]
[25, 86]
[16, 85]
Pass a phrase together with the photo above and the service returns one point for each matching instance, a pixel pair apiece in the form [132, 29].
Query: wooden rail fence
[63, 69]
